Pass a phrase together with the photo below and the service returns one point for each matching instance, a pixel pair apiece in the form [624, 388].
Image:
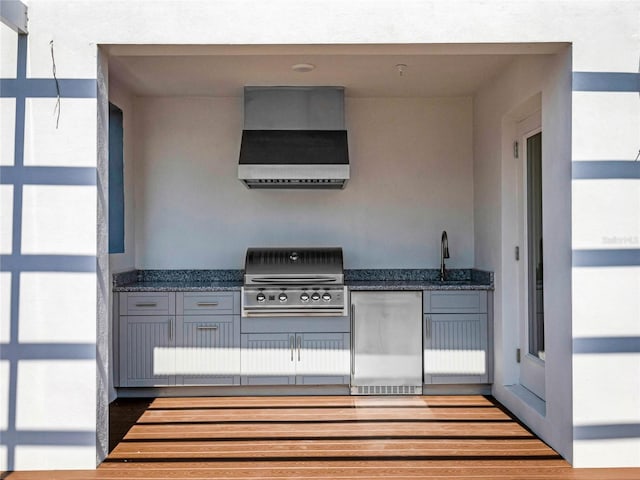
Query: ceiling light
[302, 67]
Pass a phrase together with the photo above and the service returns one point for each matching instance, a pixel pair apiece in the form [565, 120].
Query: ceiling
[364, 71]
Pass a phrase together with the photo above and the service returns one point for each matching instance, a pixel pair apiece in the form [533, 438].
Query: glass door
[531, 267]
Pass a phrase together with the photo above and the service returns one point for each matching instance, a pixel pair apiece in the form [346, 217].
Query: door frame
[532, 369]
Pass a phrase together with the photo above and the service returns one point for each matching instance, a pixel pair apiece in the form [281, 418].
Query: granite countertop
[231, 280]
[183, 286]
[418, 285]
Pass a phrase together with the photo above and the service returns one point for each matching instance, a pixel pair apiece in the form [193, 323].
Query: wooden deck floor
[394, 438]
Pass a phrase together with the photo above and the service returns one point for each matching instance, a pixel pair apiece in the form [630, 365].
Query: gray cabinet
[456, 337]
[183, 338]
[147, 353]
[268, 359]
[271, 355]
[208, 350]
[208, 338]
[324, 359]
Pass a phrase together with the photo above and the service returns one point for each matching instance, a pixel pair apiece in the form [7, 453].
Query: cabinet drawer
[147, 303]
[206, 303]
[445, 301]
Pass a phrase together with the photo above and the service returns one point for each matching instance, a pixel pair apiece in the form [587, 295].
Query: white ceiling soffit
[364, 70]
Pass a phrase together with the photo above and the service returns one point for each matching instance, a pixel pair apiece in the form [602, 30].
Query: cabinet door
[268, 359]
[208, 350]
[147, 351]
[322, 358]
[455, 348]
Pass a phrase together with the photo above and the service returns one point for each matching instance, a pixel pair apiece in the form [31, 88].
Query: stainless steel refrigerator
[386, 338]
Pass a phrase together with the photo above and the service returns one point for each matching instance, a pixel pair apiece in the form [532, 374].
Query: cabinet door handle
[207, 304]
[427, 327]
[299, 346]
[207, 327]
[353, 339]
[170, 328]
[150, 304]
[291, 343]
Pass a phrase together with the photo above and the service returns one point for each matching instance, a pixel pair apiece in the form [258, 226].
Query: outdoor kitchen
[331, 239]
[293, 318]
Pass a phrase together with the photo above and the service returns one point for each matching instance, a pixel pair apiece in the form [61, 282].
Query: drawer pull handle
[207, 304]
[152, 304]
[207, 327]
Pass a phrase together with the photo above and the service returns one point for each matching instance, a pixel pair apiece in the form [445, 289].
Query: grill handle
[293, 280]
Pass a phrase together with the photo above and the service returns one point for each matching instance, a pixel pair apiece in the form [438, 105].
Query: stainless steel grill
[293, 282]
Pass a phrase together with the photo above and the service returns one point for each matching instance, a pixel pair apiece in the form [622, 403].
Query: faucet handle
[444, 243]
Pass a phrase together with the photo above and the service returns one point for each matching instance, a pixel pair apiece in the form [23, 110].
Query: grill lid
[267, 264]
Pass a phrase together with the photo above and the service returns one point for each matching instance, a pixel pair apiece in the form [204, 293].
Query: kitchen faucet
[444, 253]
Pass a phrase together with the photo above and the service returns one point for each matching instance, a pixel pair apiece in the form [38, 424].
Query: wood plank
[375, 469]
[299, 429]
[319, 448]
[319, 414]
[324, 401]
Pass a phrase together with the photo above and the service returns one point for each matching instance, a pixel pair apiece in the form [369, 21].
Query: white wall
[606, 273]
[411, 178]
[530, 83]
[604, 38]
[50, 281]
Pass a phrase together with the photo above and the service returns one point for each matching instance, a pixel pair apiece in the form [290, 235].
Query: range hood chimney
[294, 137]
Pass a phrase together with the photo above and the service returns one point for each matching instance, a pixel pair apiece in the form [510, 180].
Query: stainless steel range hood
[294, 137]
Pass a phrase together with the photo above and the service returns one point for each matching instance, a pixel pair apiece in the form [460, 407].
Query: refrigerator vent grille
[388, 390]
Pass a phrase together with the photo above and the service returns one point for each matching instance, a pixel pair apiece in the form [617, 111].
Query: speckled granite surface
[190, 275]
[418, 279]
[177, 280]
[418, 285]
[371, 279]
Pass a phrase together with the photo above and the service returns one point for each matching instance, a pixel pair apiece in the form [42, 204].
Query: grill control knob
[261, 298]
[326, 296]
[315, 297]
[304, 297]
[282, 297]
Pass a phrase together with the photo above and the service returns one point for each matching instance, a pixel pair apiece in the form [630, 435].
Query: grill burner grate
[295, 281]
